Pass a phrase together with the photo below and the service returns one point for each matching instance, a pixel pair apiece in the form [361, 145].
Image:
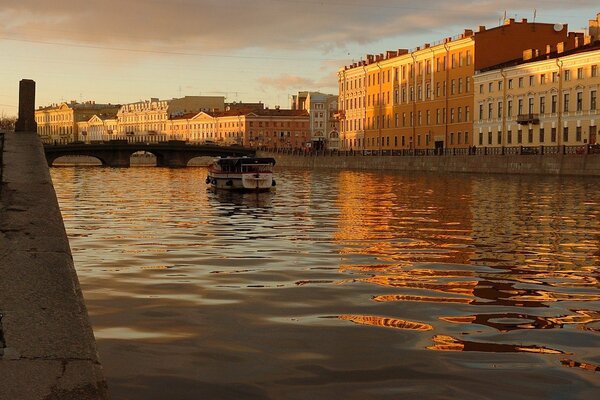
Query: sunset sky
[260, 50]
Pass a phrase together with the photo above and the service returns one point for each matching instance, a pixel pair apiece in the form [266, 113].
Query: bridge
[117, 153]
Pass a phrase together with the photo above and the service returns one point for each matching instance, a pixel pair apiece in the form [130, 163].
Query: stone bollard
[26, 121]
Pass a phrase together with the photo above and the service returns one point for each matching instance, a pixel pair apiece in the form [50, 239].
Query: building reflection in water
[511, 245]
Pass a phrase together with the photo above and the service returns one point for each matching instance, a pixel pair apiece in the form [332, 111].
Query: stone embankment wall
[548, 164]
[47, 347]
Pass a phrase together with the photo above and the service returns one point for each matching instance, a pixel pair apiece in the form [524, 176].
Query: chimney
[528, 54]
[468, 33]
[401, 52]
[509, 21]
[524, 20]
[482, 27]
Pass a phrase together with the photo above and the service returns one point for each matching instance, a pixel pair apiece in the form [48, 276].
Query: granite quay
[541, 160]
[47, 347]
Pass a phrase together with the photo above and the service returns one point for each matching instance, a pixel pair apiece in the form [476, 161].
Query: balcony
[525, 119]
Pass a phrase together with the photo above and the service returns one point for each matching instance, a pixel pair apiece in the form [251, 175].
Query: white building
[324, 125]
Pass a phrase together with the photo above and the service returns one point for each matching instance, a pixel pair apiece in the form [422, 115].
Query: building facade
[548, 98]
[324, 123]
[60, 122]
[423, 99]
[155, 116]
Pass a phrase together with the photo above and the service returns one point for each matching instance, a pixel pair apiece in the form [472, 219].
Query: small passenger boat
[242, 173]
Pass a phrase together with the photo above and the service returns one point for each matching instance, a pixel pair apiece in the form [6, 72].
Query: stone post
[26, 121]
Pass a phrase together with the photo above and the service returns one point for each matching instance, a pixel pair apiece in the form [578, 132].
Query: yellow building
[423, 99]
[548, 100]
[154, 116]
[98, 128]
[59, 122]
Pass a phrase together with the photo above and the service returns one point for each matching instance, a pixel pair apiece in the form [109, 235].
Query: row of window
[542, 137]
[456, 115]
[405, 95]
[542, 79]
[567, 106]
[407, 72]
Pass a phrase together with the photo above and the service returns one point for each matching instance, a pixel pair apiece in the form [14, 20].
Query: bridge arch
[168, 154]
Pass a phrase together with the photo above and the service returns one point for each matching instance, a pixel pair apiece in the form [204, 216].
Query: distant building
[244, 106]
[423, 99]
[154, 116]
[98, 128]
[322, 109]
[60, 121]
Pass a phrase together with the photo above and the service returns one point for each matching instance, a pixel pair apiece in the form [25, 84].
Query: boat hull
[259, 182]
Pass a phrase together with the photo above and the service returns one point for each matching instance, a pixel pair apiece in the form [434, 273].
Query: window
[460, 85]
[579, 101]
[566, 102]
[499, 137]
[499, 109]
[554, 104]
[467, 114]
[553, 135]
[481, 112]
[542, 79]
[490, 110]
[452, 115]
[452, 86]
[565, 134]
[467, 84]
[520, 136]
[521, 82]
[578, 134]
[530, 135]
[480, 88]
[459, 116]
[490, 138]
[541, 135]
[481, 138]
[510, 83]
[531, 80]
[594, 71]
[509, 108]
[555, 77]
[509, 137]
[437, 89]
[530, 108]
[490, 87]
[396, 120]
[579, 73]
[567, 75]
[592, 100]
[520, 107]
[542, 105]
[468, 57]
[428, 117]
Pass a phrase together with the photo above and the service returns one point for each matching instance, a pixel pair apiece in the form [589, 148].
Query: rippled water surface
[340, 285]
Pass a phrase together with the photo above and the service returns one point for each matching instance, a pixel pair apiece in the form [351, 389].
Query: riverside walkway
[47, 347]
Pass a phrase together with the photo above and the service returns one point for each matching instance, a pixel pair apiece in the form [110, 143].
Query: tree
[7, 123]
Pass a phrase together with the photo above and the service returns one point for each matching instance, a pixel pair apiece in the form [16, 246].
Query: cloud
[217, 25]
[290, 83]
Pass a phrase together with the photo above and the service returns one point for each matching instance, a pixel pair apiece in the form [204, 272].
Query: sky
[116, 51]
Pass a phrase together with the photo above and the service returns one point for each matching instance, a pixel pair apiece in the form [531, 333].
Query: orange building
[423, 99]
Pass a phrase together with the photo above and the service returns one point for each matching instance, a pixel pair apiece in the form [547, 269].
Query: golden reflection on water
[477, 264]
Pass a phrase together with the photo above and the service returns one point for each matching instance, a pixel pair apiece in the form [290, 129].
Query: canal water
[340, 285]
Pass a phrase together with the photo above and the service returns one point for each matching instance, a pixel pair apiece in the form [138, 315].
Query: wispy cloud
[213, 25]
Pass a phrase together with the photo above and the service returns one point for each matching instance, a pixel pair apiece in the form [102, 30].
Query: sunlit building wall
[324, 123]
[98, 128]
[423, 99]
[547, 100]
[153, 116]
[59, 122]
